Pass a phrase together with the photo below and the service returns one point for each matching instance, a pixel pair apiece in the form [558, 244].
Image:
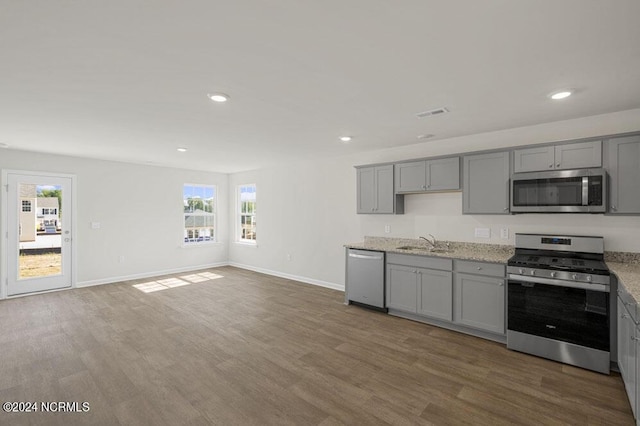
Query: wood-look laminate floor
[232, 347]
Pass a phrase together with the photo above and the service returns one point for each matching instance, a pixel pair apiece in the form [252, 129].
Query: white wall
[140, 211]
[308, 209]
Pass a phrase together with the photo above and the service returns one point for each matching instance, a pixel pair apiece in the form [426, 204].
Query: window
[247, 213]
[26, 206]
[199, 213]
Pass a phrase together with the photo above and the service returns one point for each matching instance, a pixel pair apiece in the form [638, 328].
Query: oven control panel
[559, 275]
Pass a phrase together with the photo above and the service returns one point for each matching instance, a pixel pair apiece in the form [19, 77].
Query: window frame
[214, 214]
[240, 214]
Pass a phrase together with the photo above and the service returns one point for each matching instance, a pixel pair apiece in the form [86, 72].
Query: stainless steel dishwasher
[365, 278]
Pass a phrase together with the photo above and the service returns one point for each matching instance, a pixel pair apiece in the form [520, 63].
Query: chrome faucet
[433, 243]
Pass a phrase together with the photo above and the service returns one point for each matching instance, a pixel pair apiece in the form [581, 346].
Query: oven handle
[560, 283]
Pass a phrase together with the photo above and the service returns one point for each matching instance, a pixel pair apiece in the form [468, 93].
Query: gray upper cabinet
[430, 175]
[411, 177]
[623, 158]
[435, 293]
[486, 183]
[375, 190]
[479, 302]
[557, 157]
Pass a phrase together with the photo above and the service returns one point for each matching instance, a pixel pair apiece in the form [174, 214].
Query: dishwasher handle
[377, 256]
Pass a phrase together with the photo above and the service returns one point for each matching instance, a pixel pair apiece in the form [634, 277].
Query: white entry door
[39, 221]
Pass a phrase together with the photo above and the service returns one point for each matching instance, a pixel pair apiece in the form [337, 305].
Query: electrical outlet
[483, 233]
[121, 259]
[95, 225]
[387, 229]
[504, 233]
[288, 256]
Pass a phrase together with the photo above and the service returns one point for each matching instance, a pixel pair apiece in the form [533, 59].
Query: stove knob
[589, 278]
[574, 276]
[553, 275]
[533, 272]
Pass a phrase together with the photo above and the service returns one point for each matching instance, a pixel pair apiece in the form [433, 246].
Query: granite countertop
[468, 251]
[628, 274]
[625, 265]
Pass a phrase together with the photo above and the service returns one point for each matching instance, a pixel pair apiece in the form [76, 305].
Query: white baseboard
[112, 280]
[306, 280]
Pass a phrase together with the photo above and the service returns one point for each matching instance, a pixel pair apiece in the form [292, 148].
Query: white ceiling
[127, 79]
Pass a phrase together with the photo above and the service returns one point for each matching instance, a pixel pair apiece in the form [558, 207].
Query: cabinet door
[533, 159]
[479, 302]
[402, 288]
[366, 190]
[384, 189]
[443, 174]
[623, 155]
[486, 184]
[411, 177]
[579, 155]
[435, 293]
[627, 353]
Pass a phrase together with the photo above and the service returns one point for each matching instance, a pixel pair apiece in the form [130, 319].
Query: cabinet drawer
[480, 268]
[420, 261]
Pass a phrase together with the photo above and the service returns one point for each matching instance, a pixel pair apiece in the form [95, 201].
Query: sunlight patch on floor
[166, 283]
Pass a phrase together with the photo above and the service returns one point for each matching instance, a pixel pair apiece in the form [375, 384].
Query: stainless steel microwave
[559, 191]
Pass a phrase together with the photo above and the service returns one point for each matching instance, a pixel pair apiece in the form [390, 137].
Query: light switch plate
[387, 229]
[95, 225]
[504, 233]
[483, 233]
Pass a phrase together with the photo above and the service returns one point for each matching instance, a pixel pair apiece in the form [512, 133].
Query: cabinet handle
[614, 208]
[424, 187]
[558, 165]
[372, 209]
[623, 316]
[479, 268]
[500, 283]
[633, 338]
[550, 166]
[505, 209]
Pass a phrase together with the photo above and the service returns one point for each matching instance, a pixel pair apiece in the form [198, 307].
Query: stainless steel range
[558, 300]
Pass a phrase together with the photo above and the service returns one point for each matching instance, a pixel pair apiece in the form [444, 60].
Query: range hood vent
[436, 111]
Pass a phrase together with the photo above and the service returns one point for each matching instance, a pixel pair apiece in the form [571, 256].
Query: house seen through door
[39, 221]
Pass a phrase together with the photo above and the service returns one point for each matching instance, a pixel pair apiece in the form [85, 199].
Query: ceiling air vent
[436, 111]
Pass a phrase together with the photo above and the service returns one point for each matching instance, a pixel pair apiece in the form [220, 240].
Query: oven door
[567, 314]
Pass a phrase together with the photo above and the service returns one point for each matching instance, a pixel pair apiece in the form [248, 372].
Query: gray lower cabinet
[375, 191]
[480, 302]
[459, 292]
[402, 288]
[479, 295]
[435, 294]
[557, 157]
[485, 187]
[623, 158]
[628, 348]
[442, 174]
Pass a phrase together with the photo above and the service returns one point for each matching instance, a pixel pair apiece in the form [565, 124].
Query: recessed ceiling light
[560, 95]
[425, 136]
[4, 145]
[346, 138]
[218, 97]
[182, 149]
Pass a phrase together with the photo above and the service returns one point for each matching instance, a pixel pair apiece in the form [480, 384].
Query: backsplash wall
[440, 214]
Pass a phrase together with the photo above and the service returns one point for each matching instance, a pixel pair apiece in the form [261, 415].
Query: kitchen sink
[422, 248]
[411, 248]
